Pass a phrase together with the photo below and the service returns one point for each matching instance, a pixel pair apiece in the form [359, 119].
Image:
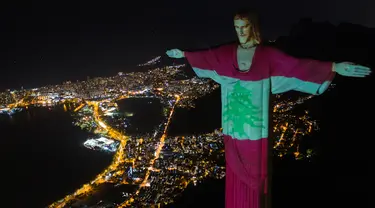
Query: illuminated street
[86, 189]
[119, 159]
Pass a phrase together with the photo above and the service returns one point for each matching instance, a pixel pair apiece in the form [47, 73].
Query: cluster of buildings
[158, 82]
[102, 143]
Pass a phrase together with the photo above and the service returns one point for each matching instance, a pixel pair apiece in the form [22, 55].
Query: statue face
[243, 29]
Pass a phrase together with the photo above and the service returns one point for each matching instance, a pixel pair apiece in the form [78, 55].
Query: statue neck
[247, 45]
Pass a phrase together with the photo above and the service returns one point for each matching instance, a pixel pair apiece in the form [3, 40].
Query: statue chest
[244, 58]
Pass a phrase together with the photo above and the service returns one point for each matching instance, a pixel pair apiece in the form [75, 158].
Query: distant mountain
[325, 41]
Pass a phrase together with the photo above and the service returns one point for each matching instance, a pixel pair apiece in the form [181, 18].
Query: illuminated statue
[247, 72]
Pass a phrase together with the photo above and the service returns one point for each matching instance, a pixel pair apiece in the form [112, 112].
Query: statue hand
[175, 53]
[351, 70]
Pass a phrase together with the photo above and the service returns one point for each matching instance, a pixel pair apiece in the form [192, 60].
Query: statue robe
[245, 109]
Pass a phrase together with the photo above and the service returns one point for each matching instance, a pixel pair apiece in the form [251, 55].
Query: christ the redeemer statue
[247, 72]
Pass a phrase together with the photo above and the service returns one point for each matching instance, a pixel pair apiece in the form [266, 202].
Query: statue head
[246, 24]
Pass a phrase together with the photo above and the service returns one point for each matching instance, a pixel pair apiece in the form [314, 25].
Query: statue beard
[245, 41]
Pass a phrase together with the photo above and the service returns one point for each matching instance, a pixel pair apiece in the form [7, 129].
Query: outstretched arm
[307, 75]
[304, 75]
[205, 63]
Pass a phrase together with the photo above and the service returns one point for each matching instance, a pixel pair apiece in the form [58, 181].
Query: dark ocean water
[43, 158]
[146, 114]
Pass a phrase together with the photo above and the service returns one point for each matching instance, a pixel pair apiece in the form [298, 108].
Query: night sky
[48, 42]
